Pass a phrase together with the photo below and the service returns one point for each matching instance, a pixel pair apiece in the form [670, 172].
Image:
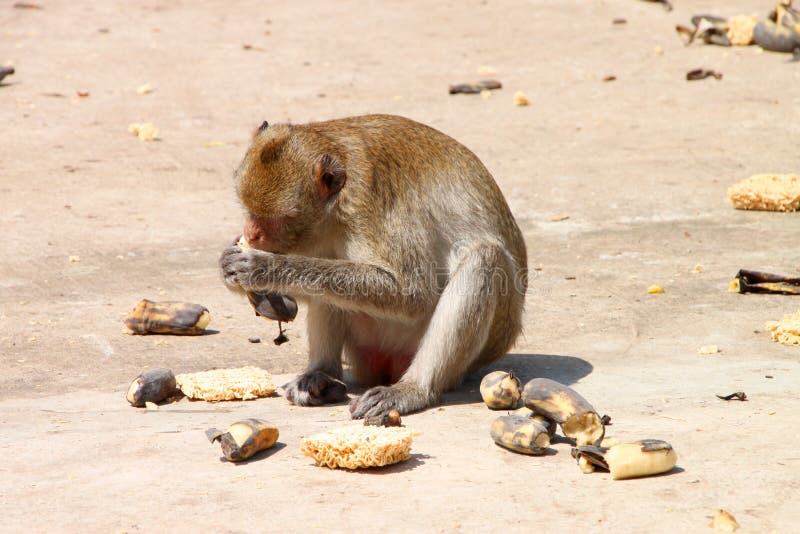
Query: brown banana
[500, 390]
[153, 385]
[555, 401]
[179, 318]
[520, 434]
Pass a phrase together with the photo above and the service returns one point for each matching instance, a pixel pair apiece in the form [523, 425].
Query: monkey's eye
[264, 126]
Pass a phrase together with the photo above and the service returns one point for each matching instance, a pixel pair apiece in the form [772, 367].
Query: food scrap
[358, 447]
[475, 88]
[245, 438]
[145, 131]
[768, 192]
[787, 330]
[244, 383]
[739, 395]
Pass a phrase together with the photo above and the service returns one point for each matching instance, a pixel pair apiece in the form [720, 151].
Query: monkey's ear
[329, 176]
[264, 126]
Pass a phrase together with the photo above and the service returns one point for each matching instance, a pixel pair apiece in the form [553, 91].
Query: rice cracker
[769, 192]
[356, 447]
[243, 383]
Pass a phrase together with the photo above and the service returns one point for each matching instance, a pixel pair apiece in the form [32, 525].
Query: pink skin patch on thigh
[388, 367]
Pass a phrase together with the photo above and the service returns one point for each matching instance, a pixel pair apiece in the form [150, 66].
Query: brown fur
[389, 223]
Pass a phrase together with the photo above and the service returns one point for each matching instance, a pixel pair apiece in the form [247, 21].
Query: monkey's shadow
[564, 369]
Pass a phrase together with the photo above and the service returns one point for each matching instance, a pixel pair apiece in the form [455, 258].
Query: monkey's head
[288, 184]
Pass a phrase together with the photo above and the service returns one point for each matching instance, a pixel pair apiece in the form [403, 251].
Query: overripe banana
[244, 438]
[153, 385]
[520, 434]
[551, 425]
[500, 390]
[629, 460]
[565, 406]
[179, 318]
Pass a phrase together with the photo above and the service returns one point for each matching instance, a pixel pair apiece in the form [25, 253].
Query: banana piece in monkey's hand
[153, 385]
[270, 305]
[566, 407]
[629, 460]
[357, 447]
[243, 383]
[179, 318]
[245, 438]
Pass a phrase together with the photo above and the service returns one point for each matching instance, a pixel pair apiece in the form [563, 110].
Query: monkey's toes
[315, 389]
[378, 401]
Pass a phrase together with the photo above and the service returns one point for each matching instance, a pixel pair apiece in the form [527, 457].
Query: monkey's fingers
[314, 389]
[405, 397]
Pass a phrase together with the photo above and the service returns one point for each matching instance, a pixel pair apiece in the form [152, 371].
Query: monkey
[399, 242]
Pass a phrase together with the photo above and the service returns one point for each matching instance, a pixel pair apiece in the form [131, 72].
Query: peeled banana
[244, 438]
[154, 385]
[629, 460]
[565, 406]
[180, 318]
[500, 390]
[520, 434]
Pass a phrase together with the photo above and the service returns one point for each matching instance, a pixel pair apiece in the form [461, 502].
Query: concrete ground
[639, 165]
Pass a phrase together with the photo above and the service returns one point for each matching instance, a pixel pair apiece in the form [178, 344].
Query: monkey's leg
[321, 382]
[455, 337]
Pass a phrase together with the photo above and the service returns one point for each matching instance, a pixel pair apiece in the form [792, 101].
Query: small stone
[254, 339]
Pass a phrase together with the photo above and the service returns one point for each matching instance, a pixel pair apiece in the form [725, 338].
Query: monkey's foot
[314, 389]
[405, 397]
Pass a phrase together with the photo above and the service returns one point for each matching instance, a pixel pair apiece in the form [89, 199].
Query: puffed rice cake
[740, 29]
[787, 330]
[356, 447]
[770, 192]
[243, 383]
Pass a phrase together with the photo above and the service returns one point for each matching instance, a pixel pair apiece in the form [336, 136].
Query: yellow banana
[245, 438]
[154, 385]
[520, 434]
[629, 460]
[500, 390]
[565, 406]
[180, 318]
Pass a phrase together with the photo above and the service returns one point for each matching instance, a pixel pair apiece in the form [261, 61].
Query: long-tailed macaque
[400, 243]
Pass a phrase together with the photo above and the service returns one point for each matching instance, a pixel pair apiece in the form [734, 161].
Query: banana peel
[177, 318]
[557, 402]
[244, 438]
[747, 281]
[520, 434]
[641, 458]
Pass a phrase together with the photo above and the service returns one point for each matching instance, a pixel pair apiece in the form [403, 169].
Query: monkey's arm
[346, 284]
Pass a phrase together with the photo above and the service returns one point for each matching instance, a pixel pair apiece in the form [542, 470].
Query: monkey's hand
[240, 268]
[314, 389]
[405, 397]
